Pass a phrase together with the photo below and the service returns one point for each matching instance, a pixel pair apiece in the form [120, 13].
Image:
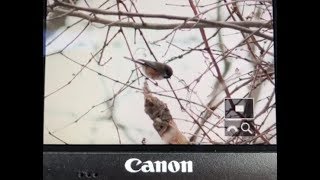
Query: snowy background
[85, 96]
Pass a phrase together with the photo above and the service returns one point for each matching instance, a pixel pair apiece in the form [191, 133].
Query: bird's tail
[133, 60]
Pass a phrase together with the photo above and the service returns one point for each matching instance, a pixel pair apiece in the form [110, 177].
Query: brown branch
[260, 135]
[267, 106]
[182, 5]
[140, 31]
[185, 110]
[54, 136]
[105, 44]
[68, 27]
[101, 74]
[236, 10]
[112, 117]
[124, 87]
[164, 16]
[213, 24]
[70, 81]
[61, 15]
[214, 107]
[205, 40]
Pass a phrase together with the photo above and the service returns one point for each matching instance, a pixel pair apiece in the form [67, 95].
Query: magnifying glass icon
[246, 129]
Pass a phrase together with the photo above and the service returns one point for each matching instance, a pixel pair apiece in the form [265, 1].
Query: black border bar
[107, 166]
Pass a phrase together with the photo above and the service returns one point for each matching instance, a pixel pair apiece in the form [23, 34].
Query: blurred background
[99, 100]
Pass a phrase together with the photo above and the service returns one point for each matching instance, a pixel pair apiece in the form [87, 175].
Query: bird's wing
[153, 65]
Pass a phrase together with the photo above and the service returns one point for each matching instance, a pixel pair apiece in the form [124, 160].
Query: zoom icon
[238, 128]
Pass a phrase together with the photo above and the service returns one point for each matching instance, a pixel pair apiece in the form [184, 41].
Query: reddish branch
[171, 17]
[241, 26]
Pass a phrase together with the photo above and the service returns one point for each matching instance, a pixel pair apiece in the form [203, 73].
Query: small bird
[154, 70]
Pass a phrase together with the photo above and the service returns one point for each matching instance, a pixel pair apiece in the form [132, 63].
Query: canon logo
[135, 165]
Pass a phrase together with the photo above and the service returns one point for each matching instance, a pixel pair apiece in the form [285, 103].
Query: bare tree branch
[171, 17]
[213, 24]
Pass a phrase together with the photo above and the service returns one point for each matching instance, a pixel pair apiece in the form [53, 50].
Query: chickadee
[154, 70]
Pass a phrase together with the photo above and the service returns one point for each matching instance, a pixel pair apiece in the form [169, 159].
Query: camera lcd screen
[159, 72]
